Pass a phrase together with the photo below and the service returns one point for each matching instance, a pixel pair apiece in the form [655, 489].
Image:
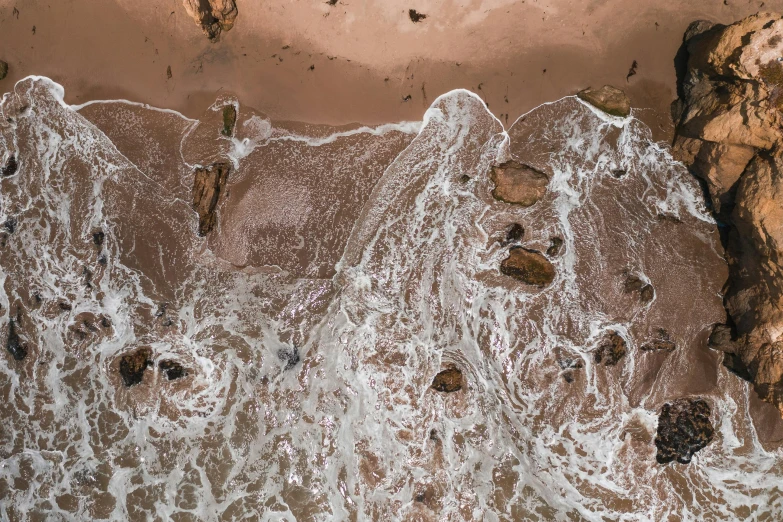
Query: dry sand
[367, 56]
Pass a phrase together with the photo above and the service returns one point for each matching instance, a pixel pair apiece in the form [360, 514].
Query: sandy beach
[353, 61]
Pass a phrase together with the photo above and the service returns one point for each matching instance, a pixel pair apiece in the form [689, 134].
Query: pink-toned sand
[367, 56]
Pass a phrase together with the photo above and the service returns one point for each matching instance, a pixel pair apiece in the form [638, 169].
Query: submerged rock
[609, 99]
[684, 428]
[3, 69]
[663, 343]
[611, 350]
[633, 284]
[172, 369]
[98, 237]
[14, 344]
[517, 183]
[229, 120]
[729, 119]
[208, 185]
[290, 356]
[133, 364]
[10, 166]
[555, 244]
[528, 266]
[213, 16]
[514, 234]
[448, 381]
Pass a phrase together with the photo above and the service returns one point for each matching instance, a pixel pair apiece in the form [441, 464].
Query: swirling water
[348, 267]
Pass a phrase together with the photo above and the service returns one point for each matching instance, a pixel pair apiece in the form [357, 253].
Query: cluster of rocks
[729, 124]
[684, 428]
[133, 365]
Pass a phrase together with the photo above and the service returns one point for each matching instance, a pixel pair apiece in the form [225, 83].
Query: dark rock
[448, 381]
[415, 16]
[734, 363]
[569, 365]
[168, 72]
[611, 350]
[64, 306]
[722, 339]
[213, 16]
[3, 69]
[208, 184]
[105, 322]
[161, 311]
[133, 364]
[98, 237]
[14, 344]
[10, 166]
[518, 184]
[514, 234]
[528, 266]
[609, 99]
[619, 173]
[555, 244]
[684, 428]
[290, 356]
[229, 120]
[10, 225]
[464, 178]
[172, 369]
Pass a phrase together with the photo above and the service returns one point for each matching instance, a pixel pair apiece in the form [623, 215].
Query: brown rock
[172, 369]
[684, 428]
[635, 285]
[448, 381]
[208, 184]
[609, 99]
[555, 244]
[518, 184]
[728, 132]
[213, 16]
[229, 120]
[662, 343]
[611, 350]
[133, 364]
[528, 266]
[3, 70]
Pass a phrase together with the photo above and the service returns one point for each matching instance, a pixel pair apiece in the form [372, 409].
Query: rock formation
[611, 350]
[172, 369]
[449, 380]
[208, 184]
[518, 184]
[528, 266]
[213, 16]
[3, 70]
[684, 428]
[609, 99]
[13, 344]
[728, 132]
[133, 364]
[229, 120]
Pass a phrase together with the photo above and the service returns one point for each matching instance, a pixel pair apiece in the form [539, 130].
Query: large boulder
[684, 428]
[213, 16]
[729, 132]
[528, 266]
[518, 184]
[208, 184]
[609, 99]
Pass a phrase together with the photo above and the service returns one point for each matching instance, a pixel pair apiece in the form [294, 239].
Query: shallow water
[348, 267]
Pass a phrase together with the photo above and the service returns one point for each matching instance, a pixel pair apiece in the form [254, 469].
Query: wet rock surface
[448, 381]
[3, 69]
[208, 185]
[661, 343]
[517, 183]
[229, 120]
[528, 266]
[172, 370]
[14, 344]
[555, 246]
[514, 234]
[609, 99]
[133, 365]
[10, 167]
[684, 428]
[635, 285]
[611, 350]
[729, 122]
[213, 16]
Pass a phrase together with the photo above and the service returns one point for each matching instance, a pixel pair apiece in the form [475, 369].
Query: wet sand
[366, 57]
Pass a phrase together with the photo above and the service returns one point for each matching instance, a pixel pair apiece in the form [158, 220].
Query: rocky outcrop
[229, 120]
[729, 133]
[609, 99]
[528, 266]
[208, 184]
[133, 364]
[684, 428]
[213, 16]
[611, 350]
[517, 183]
[448, 381]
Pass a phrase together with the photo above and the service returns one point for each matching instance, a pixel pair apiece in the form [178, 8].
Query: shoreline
[511, 59]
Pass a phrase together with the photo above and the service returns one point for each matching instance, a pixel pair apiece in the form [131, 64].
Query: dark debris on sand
[290, 356]
[416, 16]
[684, 428]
